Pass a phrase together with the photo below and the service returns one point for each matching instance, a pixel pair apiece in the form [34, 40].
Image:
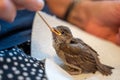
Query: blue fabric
[16, 65]
[17, 32]
[12, 34]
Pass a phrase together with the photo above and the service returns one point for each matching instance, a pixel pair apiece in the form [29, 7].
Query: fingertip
[11, 18]
[37, 5]
[32, 5]
[41, 4]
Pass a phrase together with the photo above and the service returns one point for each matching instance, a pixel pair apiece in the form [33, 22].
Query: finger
[32, 5]
[18, 7]
[7, 10]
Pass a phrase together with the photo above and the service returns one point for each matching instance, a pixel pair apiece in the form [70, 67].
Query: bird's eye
[62, 32]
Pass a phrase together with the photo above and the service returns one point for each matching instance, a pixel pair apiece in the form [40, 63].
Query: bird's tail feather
[104, 69]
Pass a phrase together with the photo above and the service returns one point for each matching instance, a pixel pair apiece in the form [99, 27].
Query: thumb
[32, 5]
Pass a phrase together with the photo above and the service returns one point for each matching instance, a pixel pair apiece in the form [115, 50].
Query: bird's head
[65, 36]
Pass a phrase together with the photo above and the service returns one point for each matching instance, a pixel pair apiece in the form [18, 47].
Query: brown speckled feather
[76, 54]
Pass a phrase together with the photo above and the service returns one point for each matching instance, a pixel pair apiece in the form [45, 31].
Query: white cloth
[42, 48]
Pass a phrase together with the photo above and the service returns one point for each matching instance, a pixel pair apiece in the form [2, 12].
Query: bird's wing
[76, 56]
[84, 46]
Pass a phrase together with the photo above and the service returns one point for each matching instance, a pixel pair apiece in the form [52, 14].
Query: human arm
[100, 18]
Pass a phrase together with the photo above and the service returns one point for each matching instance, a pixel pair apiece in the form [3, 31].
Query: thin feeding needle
[52, 29]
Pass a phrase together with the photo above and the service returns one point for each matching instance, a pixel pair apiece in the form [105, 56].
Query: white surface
[42, 47]
[54, 72]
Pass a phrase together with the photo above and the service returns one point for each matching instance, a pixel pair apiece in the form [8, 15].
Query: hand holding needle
[52, 29]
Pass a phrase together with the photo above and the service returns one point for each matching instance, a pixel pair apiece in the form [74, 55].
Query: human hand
[8, 8]
[100, 18]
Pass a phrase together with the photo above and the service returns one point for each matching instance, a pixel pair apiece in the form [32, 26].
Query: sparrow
[77, 56]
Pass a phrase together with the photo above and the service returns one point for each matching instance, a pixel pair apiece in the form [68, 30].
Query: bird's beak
[55, 32]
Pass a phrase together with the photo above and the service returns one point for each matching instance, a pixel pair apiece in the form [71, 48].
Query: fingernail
[41, 3]
[37, 5]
